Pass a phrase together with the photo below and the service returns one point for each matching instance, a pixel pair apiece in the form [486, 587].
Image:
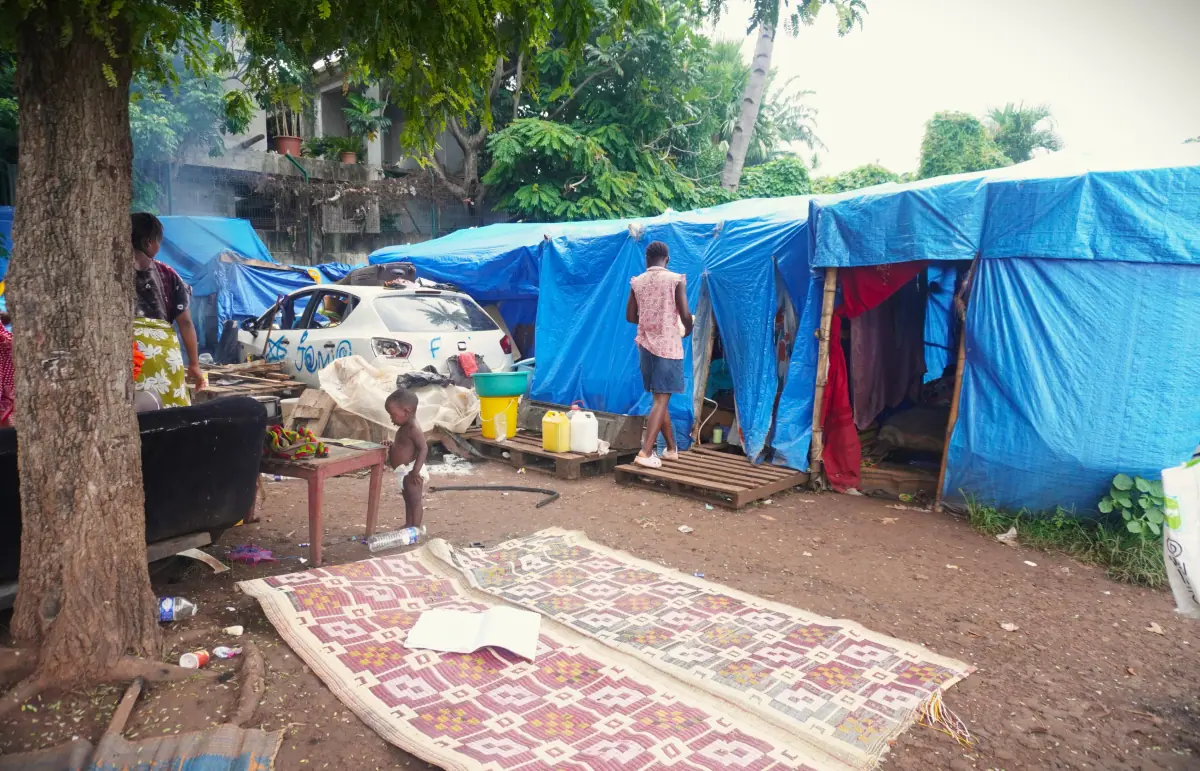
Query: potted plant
[365, 118]
[346, 148]
[287, 103]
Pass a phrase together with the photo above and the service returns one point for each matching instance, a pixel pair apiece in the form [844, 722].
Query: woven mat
[844, 688]
[591, 701]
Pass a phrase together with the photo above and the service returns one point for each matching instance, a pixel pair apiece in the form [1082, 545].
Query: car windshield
[432, 313]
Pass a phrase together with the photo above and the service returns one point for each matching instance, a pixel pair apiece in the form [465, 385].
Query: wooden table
[341, 460]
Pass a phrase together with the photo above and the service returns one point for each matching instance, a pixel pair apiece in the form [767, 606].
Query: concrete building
[297, 206]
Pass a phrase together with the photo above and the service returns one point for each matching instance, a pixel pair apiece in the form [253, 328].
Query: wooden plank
[172, 546]
[730, 458]
[675, 488]
[665, 475]
[744, 471]
[700, 471]
[312, 411]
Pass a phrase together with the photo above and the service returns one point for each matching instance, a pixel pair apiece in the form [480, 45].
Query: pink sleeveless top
[658, 319]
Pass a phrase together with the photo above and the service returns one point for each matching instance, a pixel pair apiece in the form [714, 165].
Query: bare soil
[1081, 683]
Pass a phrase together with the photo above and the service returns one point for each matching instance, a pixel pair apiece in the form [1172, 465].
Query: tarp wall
[246, 291]
[1080, 361]
[586, 348]
[191, 245]
[1075, 372]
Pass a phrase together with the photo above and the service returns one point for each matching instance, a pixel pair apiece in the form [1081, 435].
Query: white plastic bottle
[396, 538]
[585, 431]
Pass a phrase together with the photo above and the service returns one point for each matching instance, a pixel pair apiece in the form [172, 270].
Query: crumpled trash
[1009, 538]
[251, 554]
[1008, 627]
[685, 529]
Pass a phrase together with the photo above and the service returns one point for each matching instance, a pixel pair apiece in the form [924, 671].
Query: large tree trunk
[84, 597]
[735, 158]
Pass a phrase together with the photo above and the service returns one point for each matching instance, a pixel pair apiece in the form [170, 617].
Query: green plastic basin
[501, 383]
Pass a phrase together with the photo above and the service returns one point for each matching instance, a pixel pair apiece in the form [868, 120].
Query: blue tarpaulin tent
[1081, 355]
[577, 276]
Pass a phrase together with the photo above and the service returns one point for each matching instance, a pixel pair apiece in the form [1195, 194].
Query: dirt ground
[1081, 683]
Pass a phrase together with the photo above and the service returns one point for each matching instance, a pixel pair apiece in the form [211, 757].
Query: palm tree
[783, 118]
[1014, 128]
[766, 19]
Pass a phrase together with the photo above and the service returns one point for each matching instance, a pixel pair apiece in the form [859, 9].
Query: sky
[1115, 73]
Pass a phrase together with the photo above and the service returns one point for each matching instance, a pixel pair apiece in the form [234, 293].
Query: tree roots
[15, 662]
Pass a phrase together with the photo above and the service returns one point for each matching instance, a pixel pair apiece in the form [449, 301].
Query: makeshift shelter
[575, 276]
[1079, 359]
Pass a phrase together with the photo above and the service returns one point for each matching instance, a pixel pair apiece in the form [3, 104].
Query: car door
[328, 333]
[275, 332]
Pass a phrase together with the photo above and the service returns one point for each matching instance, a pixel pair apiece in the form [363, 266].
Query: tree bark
[739, 143]
[84, 598]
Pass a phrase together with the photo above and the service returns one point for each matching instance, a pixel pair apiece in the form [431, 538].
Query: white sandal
[651, 461]
[670, 455]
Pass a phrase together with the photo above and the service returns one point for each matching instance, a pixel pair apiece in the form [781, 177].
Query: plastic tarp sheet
[491, 264]
[6, 220]
[939, 320]
[246, 291]
[586, 348]
[192, 246]
[1075, 372]
[1064, 205]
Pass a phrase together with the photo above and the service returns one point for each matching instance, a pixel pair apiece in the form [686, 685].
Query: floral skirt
[163, 373]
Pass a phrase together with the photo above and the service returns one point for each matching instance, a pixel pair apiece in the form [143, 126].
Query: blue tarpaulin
[246, 290]
[192, 246]
[586, 348]
[6, 220]
[1081, 360]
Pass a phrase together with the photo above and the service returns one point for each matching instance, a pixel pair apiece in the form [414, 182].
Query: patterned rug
[846, 690]
[578, 707]
[767, 688]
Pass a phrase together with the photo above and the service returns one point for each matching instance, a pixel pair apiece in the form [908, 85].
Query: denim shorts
[659, 375]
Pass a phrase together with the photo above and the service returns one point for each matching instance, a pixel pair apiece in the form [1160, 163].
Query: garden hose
[503, 488]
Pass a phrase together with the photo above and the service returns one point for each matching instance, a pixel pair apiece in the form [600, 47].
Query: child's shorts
[659, 375]
[402, 471]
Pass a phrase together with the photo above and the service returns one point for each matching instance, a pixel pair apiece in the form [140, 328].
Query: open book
[460, 631]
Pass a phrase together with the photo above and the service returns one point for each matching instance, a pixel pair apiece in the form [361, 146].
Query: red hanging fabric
[863, 288]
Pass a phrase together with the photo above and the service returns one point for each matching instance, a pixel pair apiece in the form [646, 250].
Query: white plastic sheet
[361, 389]
[1181, 537]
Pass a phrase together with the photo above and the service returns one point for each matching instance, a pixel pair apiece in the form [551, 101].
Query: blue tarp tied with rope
[1081, 345]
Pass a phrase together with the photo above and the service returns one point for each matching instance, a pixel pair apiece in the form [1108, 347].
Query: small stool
[341, 460]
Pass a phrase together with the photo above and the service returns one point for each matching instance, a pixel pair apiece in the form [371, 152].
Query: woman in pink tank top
[658, 305]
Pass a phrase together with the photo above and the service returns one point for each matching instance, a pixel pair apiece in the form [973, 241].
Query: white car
[409, 328]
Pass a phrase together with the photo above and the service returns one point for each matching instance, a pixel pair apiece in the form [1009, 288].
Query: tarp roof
[191, 245]
[1063, 205]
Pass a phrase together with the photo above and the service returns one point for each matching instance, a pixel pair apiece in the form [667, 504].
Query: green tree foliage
[641, 125]
[855, 179]
[956, 143]
[1019, 131]
[775, 179]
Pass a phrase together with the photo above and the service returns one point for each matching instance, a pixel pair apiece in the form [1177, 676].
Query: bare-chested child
[407, 455]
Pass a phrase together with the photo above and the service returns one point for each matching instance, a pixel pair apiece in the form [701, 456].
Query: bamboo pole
[962, 360]
[958, 376]
[817, 450]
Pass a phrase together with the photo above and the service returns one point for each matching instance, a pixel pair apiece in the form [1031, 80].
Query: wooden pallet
[719, 478]
[525, 451]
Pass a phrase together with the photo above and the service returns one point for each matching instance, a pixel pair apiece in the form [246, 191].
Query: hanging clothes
[887, 353]
[862, 289]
